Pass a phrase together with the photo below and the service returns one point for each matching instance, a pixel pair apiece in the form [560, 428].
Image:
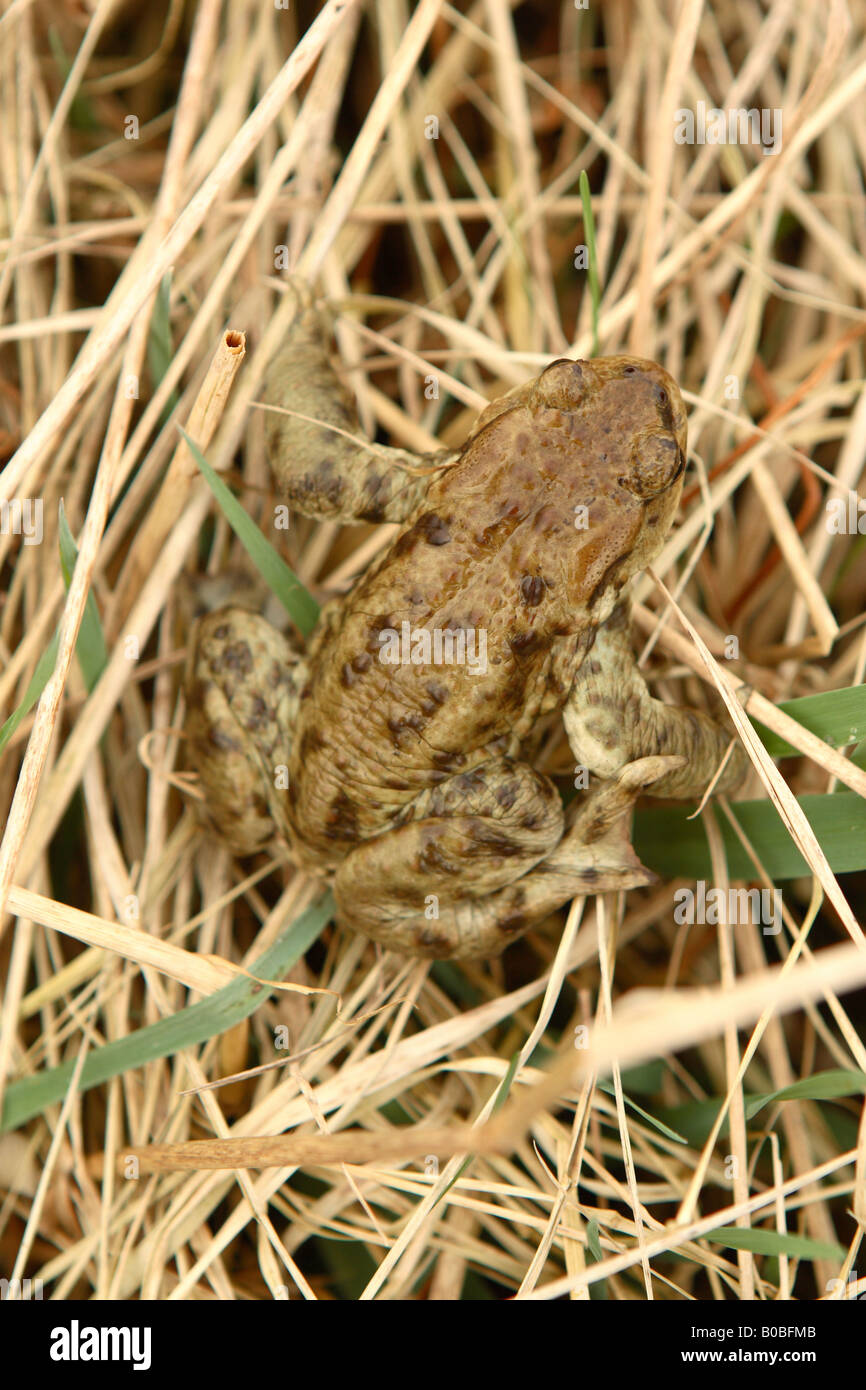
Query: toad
[395, 755]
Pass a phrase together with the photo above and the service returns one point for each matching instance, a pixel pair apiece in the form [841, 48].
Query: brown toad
[407, 778]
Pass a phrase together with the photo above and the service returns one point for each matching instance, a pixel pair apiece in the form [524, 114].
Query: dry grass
[736, 270]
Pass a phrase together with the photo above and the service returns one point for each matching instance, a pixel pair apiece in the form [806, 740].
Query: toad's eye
[561, 386]
[662, 396]
[656, 462]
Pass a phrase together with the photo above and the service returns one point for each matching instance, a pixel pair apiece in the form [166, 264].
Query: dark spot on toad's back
[532, 588]
[259, 715]
[487, 839]
[223, 740]
[512, 922]
[327, 482]
[341, 820]
[522, 643]
[448, 761]
[238, 658]
[470, 782]
[427, 939]
[432, 859]
[434, 528]
[377, 486]
[411, 722]
[376, 629]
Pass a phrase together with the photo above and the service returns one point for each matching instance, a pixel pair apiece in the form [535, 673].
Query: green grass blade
[646, 1079]
[159, 344]
[90, 648]
[593, 1242]
[675, 847]
[838, 717]
[774, 1243]
[187, 1028]
[589, 229]
[298, 603]
[695, 1119]
[81, 113]
[159, 348]
[38, 682]
[824, 1085]
[609, 1090]
[595, 1254]
[505, 1083]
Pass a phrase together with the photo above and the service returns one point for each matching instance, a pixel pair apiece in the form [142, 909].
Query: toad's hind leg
[489, 858]
[332, 472]
[242, 688]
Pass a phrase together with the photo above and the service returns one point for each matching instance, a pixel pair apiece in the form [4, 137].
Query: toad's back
[516, 554]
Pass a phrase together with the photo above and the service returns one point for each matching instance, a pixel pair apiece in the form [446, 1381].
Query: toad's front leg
[611, 719]
[323, 465]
